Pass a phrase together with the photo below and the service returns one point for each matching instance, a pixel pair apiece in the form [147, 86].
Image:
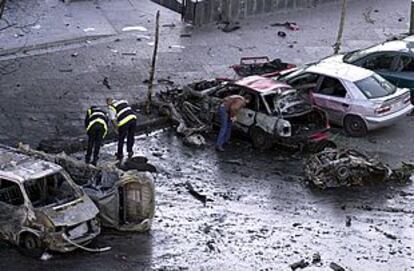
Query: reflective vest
[96, 115]
[123, 112]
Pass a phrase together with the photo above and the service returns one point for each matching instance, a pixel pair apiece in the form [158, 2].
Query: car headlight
[283, 128]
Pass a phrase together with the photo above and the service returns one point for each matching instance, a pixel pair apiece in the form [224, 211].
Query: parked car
[41, 207]
[353, 97]
[275, 115]
[393, 60]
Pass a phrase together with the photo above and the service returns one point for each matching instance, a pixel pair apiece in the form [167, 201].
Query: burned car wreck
[345, 168]
[41, 207]
[125, 199]
[276, 114]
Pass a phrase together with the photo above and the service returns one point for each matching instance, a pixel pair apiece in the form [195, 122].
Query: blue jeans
[225, 127]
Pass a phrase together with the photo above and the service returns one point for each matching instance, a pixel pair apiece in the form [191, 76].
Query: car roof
[406, 45]
[261, 84]
[343, 71]
[20, 167]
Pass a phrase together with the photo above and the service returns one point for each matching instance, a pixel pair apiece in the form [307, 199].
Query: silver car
[355, 98]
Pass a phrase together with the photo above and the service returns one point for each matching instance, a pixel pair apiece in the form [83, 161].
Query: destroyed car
[126, 199]
[41, 207]
[262, 66]
[353, 97]
[275, 115]
[336, 168]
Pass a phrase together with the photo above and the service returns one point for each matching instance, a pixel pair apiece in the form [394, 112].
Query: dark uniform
[126, 121]
[96, 124]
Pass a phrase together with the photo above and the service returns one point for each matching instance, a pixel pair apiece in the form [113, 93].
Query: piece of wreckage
[345, 168]
[261, 65]
[125, 198]
[277, 114]
[41, 207]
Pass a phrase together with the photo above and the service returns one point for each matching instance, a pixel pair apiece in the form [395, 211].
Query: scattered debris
[316, 258]
[301, 264]
[165, 81]
[289, 25]
[348, 221]
[336, 267]
[66, 70]
[195, 194]
[129, 53]
[386, 234]
[367, 16]
[281, 34]
[177, 46]
[134, 28]
[230, 27]
[46, 256]
[185, 35]
[105, 82]
[401, 19]
[89, 29]
[74, 54]
[172, 25]
[36, 26]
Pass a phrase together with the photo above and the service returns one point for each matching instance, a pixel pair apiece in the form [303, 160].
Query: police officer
[125, 122]
[96, 124]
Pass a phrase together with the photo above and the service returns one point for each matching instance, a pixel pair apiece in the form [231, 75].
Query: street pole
[337, 45]
[412, 18]
[152, 70]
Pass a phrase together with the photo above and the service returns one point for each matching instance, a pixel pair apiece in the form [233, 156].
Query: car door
[383, 63]
[246, 116]
[404, 73]
[12, 209]
[332, 96]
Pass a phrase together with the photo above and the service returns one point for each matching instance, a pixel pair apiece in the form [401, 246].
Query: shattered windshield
[375, 87]
[50, 190]
[351, 57]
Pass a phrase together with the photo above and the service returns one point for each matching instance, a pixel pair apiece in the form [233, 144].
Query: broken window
[375, 87]
[332, 87]
[52, 189]
[406, 64]
[10, 193]
[379, 62]
[304, 79]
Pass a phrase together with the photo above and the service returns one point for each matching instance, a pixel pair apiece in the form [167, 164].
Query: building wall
[207, 11]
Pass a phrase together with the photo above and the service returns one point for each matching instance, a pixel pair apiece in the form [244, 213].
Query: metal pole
[412, 18]
[337, 45]
[154, 59]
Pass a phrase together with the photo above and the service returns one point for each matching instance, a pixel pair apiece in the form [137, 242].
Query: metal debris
[336, 267]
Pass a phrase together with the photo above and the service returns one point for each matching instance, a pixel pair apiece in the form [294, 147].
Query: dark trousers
[95, 136]
[126, 131]
[225, 127]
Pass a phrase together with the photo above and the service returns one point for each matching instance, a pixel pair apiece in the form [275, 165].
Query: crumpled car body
[275, 115]
[344, 168]
[41, 207]
[261, 65]
[125, 199]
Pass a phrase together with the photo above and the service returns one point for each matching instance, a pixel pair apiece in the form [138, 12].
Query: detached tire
[321, 146]
[30, 245]
[261, 139]
[355, 126]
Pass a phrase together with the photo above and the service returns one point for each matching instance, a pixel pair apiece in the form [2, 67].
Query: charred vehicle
[41, 207]
[262, 66]
[125, 198]
[276, 114]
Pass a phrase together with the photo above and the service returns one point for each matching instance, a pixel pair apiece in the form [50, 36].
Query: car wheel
[355, 126]
[261, 139]
[31, 245]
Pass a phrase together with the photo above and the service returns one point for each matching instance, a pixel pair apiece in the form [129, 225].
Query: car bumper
[57, 242]
[379, 122]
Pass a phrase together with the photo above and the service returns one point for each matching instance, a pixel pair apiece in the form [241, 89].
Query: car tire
[355, 126]
[30, 245]
[261, 140]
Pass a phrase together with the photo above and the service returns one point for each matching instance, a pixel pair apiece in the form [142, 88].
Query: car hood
[72, 213]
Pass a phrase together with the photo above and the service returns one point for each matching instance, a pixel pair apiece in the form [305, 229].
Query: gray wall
[207, 11]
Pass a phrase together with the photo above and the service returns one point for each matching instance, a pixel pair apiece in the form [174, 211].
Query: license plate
[79, 231]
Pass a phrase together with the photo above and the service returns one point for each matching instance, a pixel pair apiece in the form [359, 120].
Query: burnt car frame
[41, 207]
[275, 115]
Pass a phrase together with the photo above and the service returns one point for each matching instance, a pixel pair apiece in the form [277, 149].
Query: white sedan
[355, 98]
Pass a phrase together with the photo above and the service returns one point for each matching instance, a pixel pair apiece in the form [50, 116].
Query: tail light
[382, 109]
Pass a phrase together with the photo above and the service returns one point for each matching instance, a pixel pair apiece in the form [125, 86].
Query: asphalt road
[261, 217]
